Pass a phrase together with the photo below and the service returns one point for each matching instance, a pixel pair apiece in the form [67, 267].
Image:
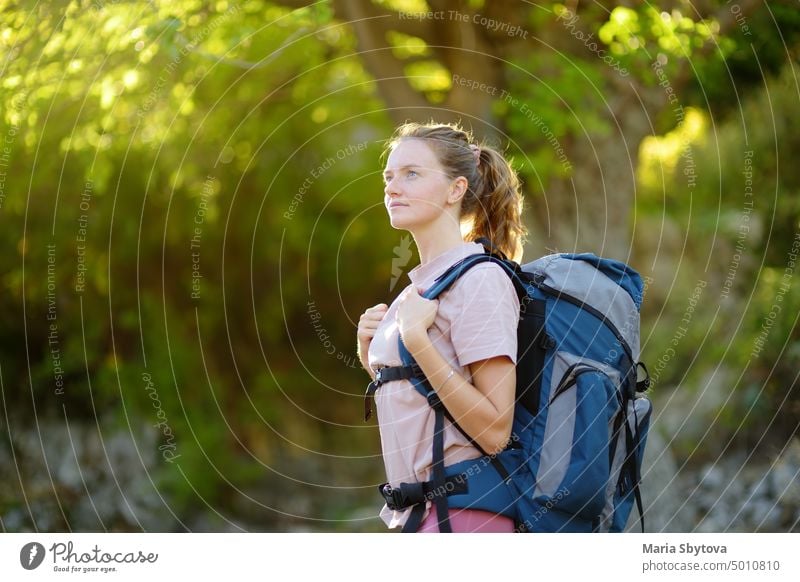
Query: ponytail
[492, 205]
[496, 208]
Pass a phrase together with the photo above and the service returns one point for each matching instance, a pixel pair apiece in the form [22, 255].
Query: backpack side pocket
[575, 463]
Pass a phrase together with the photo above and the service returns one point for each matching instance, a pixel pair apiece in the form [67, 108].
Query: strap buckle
[406, 495]
[434, 401]
[372, 387]
[386, 374]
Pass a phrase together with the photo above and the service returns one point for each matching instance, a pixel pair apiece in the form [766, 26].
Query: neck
[432, 242]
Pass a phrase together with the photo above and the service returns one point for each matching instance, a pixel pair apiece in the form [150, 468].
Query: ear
[457, 190]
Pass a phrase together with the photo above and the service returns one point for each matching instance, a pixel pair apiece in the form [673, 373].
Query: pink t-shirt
[476, 320]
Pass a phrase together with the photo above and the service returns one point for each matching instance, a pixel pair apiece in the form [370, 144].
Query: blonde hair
[493, 201]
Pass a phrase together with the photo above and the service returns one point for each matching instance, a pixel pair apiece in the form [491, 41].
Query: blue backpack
[580, 420]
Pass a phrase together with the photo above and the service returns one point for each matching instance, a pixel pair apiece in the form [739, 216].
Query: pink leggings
[469, 520]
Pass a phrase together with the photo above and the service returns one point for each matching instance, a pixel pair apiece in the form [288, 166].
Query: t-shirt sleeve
[485, 313]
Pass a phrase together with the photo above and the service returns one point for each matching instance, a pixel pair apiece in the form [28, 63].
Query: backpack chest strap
[388, 374]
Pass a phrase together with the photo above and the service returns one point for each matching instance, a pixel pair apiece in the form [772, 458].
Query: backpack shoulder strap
[440, 285]
[444, 281]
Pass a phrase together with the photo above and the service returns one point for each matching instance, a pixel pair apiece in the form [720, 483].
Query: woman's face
[416, 187]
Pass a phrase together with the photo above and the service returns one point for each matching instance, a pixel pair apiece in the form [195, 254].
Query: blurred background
[192, 222]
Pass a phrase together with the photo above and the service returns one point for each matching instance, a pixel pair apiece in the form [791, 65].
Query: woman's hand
[415, 315]
[367, 325]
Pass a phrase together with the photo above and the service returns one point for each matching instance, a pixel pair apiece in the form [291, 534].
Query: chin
[399, 223]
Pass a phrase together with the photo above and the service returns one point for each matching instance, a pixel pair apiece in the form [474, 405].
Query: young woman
[436, 180]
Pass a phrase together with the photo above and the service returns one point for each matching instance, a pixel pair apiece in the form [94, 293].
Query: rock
[713, 477]
[684, 414]
[79, 479]
[663, 490]
[786, 475]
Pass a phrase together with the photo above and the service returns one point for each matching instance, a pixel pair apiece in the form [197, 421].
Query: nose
[390, 189]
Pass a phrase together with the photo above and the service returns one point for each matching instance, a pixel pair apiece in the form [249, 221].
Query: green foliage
[192, 191]
[144, 133]
[739, 206]
[545, 111]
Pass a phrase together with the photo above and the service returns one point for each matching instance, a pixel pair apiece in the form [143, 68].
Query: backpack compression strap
[631, 466]
[630, 476]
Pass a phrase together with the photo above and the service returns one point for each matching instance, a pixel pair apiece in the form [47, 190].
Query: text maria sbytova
[683, 549]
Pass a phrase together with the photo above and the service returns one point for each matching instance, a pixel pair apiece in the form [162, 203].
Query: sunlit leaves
[405, 46]
[428, 76]
[404, 5]
[659, 155]
[629, 30]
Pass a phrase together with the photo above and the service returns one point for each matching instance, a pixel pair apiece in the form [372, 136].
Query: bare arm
[482, 407]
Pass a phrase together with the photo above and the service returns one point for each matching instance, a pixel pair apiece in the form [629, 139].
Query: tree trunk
[590, 211]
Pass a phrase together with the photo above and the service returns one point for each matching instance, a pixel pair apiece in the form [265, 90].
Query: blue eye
[412, 172]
